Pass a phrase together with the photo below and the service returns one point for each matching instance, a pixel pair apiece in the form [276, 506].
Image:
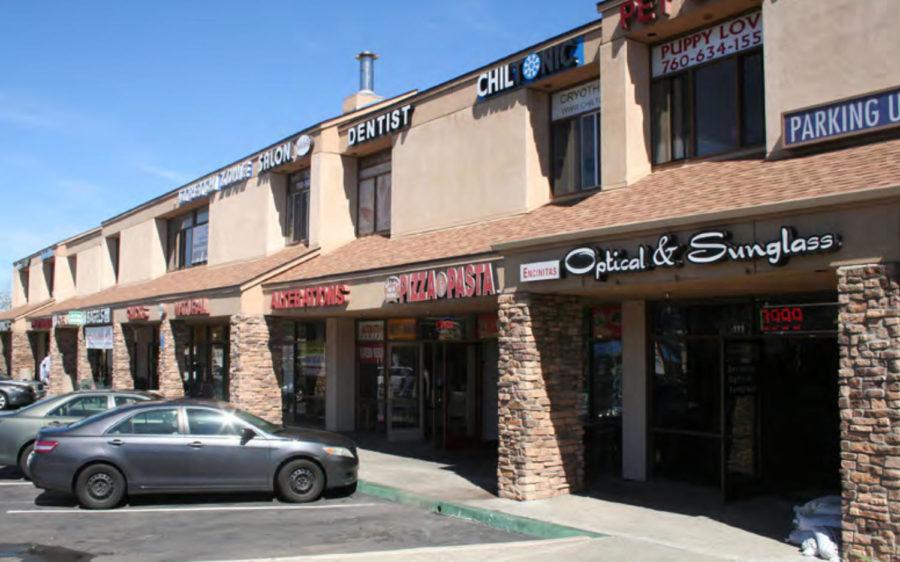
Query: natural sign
[703, 248]
[192, 307]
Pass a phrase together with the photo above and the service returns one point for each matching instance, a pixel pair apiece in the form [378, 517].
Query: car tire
[23, 460]
[100, 486]
[4, 401]
[300, 481]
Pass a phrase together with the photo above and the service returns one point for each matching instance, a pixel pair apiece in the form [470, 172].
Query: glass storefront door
[303, 384]
[404, 399]
[206, 363]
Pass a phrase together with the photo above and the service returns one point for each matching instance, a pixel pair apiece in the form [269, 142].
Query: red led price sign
[800, 318]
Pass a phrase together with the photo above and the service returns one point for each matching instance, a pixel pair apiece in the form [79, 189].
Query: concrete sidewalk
[671, 528]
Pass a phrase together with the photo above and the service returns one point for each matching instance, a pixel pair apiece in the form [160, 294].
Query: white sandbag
[812, 522]
[809, 547]
[827, 546]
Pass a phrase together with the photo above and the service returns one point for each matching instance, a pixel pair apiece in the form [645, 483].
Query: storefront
[303, 372]
[98, 344]
[39, 340]
[142, 340]
[204, 349]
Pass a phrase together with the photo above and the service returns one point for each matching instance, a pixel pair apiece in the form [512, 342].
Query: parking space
[37, 525]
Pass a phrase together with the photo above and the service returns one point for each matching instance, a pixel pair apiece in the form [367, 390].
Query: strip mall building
[663, 246]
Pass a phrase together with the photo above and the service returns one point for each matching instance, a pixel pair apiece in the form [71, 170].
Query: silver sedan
[188, 446]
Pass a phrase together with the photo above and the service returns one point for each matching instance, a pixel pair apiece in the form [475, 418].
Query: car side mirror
[246, 435]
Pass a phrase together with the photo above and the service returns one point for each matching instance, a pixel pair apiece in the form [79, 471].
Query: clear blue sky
[104, 105]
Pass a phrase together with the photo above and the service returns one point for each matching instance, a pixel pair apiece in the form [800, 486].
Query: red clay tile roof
[699, 188]
[192, 280]
[20, 311]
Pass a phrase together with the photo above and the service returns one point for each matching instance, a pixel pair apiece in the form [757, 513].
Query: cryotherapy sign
[840, 119]
[534, 66]
[722, 40]
[704, 248]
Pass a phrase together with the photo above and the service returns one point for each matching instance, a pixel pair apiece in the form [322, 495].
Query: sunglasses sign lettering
[704, 248]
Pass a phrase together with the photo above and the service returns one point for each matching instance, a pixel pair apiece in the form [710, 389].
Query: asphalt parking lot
[37, 525]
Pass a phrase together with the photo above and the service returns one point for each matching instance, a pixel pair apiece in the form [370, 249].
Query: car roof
[177, 402]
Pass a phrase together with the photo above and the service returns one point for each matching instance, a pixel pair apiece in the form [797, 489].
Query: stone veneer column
[63, 361]
[22, 356]
[85, 376]
[123, 351]
[541, 449]
[869, 341]
[253, 383]
[171, 358]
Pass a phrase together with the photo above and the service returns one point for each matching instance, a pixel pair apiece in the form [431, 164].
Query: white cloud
[164, 173]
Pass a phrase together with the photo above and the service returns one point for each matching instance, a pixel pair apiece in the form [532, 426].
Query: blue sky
[104, 105]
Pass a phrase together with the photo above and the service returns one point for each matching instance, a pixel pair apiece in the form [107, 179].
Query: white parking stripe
[15, 484]
[176, 509]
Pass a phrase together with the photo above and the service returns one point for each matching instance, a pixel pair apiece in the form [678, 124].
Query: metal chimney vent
[366, 71]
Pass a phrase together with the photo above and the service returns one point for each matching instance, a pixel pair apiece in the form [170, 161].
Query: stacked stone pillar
[22, 357]
[123, 351]
[542, 362]
[85, 375]
[173, 337]
[64, 361]
[869, 341]
[254, 383]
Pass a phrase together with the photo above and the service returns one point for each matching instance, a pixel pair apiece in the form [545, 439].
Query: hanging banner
[98, 337]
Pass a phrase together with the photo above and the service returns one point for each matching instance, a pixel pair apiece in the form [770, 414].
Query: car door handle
[195, 444]
[116, 442]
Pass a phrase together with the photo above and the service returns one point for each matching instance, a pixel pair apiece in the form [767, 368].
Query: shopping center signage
[534, 66]
[872, 112]
[574, 101]
[539, 271]
[704, 248]
[97, 316]
[384, 124]
[457, 282]
[72, 318]
[135, 313]
[41, 324]
[722, 40]
[284, 153]
[311, 297]
[192, 307]
[641, 11]
[216, 182]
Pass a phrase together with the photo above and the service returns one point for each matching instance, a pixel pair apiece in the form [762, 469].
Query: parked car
[188, 446]
[16, 393]
[19, 429]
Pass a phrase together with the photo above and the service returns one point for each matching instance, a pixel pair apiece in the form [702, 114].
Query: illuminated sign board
[311, 297]
[534, 66]
[456, 282]
[383, 124]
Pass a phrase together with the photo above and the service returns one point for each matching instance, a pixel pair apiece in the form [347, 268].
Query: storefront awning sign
[98, 337]
[534, 66]
[311, 297]
[41, 324]
[192, 307]
[725, 39]
[872, 112]
[539, 271]
[704, 248]
[136, 313]
[456, 282]
[381, 125]
[97, 316]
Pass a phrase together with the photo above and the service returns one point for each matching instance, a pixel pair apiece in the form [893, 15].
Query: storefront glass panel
[303, 386]
[206, 362]
[603, 432]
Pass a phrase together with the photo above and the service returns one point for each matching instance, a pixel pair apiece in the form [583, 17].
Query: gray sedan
[19, 429]
[188, 446]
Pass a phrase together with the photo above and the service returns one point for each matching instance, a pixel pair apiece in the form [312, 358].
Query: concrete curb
[495, 519]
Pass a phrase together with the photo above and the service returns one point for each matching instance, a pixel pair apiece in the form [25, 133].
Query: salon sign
[703, 248]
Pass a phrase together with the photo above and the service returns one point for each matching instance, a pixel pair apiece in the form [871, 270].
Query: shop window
[373, 214]
[303, 376]
[188, 237]
[100, 361]
[113, 247]
[576, 154]
[708, 110]
[298, 207]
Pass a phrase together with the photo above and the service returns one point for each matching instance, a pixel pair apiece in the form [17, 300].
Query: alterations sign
[727, 38]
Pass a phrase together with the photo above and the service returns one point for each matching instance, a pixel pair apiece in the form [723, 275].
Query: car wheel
[4, 401]
[100, 486]
[23, 460]
[300, 481]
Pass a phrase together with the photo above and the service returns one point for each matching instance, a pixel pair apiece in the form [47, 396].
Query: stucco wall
[142, 255]
[244, 220]
[817, 52]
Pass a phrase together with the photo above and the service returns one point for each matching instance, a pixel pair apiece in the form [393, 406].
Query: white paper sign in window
[727, 38]
[575, 101]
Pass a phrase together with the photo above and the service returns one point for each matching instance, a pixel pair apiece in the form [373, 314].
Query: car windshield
[256, 422]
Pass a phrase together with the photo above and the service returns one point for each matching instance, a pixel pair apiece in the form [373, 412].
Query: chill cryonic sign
[862, 114]
[704, 248]
[534, 66]
[727, 38]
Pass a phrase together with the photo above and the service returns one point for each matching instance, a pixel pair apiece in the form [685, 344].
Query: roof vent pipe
[366, 71]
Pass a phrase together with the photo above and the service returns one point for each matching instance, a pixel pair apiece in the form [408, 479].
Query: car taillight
[45, 446]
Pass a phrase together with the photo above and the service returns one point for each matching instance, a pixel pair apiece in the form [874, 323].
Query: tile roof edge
[371, 272]
[857, 196]
[14, 317]
[281, 268]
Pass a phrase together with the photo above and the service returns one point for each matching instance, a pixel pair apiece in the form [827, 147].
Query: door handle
[116, 442]
[195, 445]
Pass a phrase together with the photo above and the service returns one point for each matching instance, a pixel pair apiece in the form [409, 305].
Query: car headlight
[339, 452]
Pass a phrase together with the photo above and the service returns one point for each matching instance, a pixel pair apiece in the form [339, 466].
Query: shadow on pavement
[60, 499]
